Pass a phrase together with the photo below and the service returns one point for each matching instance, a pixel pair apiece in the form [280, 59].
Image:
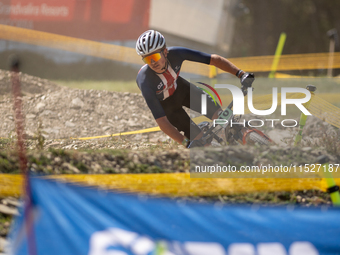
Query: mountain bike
[227, 134]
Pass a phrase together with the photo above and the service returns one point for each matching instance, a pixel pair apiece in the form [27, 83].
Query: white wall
[197, 20]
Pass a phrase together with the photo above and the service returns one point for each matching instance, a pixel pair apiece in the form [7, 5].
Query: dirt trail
[54, 114]
[60, 112]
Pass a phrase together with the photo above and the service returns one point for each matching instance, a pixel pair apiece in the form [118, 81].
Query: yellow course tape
[174, 184]
[290, 76]
[10, 185]
[330, 97]
[154, 129]
[128, 55]
[287, 62]
[325, 111]
[86, 47]
[148, 130]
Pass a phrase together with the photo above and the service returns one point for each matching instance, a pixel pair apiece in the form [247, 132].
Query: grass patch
[4, 225]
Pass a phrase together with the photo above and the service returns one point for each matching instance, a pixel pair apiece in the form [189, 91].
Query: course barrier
[174, 184]
[73, 219]
[128, 55]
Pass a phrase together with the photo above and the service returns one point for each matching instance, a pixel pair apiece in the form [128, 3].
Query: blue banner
[72, 219]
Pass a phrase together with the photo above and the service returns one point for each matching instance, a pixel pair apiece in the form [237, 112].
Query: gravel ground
[55, 114]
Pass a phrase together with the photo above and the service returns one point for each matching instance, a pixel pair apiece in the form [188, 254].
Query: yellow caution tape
[147, 130]
[86, 47]
[10, 185]
[287, 62]
[212, 72]
[290, 76]
[154, 129]
[174, 184]
[325, 111]
[128, 55]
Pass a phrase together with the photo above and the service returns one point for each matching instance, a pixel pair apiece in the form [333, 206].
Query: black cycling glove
[247, 79]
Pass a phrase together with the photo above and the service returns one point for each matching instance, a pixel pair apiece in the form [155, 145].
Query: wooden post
[333, 36]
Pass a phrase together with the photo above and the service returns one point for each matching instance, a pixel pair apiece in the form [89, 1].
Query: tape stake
[277, 56]
[335, 195]
[303, 118]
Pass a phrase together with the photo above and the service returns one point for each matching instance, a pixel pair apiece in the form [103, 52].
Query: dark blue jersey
[157, 87]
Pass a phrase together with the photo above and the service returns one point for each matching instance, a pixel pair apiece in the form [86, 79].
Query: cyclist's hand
[247, 79]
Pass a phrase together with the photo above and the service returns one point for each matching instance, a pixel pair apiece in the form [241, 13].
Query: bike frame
[227, 115]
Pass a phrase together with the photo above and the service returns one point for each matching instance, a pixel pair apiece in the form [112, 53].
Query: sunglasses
[155, 57]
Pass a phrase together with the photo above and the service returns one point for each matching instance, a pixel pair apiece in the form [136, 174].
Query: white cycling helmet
[149, 42]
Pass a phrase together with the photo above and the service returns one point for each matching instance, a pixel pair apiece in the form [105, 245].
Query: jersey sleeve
[191, 55]
[150, 97]
[154, 104]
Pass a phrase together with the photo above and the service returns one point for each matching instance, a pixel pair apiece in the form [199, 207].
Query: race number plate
[224, 117]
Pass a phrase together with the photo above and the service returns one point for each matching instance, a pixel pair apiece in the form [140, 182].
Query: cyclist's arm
[201, 57]
[159, 115]
[224, 64]
[169, 129]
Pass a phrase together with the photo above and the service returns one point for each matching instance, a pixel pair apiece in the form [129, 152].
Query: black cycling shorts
[188, 95]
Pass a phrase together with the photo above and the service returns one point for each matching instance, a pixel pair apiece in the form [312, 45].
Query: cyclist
[166, 92]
